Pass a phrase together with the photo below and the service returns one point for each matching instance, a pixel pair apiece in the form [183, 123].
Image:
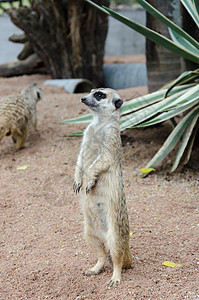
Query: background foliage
[179, 97]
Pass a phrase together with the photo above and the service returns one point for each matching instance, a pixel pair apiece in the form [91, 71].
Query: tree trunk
[67, 35]
[162, 65]
[190, 27]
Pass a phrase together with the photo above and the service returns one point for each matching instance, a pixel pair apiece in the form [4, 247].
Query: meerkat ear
[118, 103]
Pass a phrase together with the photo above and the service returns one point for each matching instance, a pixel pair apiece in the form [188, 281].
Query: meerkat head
[103, 100]
[32, 91]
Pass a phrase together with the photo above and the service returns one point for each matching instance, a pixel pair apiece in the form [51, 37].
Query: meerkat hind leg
[117, 270]
[97, 268]
[4, 132]
[15, 136]
[20, 138]
[99, 249]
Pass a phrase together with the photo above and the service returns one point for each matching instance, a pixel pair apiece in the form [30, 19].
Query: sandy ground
[42, 250]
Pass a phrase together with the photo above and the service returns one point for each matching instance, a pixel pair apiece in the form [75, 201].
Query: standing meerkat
[17, 112]
[98, 176]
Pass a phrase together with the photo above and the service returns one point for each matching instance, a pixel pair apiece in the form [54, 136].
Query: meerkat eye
[99, 95]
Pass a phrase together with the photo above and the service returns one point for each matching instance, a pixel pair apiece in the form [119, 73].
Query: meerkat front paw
[77, 186]
[91, 185]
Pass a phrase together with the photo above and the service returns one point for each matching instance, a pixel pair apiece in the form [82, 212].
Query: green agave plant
[7, 5]
[179, 96]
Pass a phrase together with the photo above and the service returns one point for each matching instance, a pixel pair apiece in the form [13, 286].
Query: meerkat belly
[97, 203]
[97, 213]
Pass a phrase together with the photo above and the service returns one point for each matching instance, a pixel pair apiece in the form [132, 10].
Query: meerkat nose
[83, 99]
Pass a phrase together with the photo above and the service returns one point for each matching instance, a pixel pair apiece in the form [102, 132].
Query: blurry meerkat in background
[17, 112]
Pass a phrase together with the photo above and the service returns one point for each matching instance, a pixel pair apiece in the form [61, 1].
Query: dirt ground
[43, 253]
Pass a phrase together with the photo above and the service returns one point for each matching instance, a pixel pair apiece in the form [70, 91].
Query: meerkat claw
[113, 283]
[88, 188]
[91, 185]
[76, 187]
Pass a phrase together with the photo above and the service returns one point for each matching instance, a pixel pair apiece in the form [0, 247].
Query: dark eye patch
[99, 95]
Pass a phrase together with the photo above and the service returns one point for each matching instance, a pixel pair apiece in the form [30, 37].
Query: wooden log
[26, 51]
[31, 65]
[18, 38]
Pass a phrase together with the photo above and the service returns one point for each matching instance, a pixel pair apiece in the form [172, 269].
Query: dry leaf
[22, 168]
[170, 264]
[147, 170]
